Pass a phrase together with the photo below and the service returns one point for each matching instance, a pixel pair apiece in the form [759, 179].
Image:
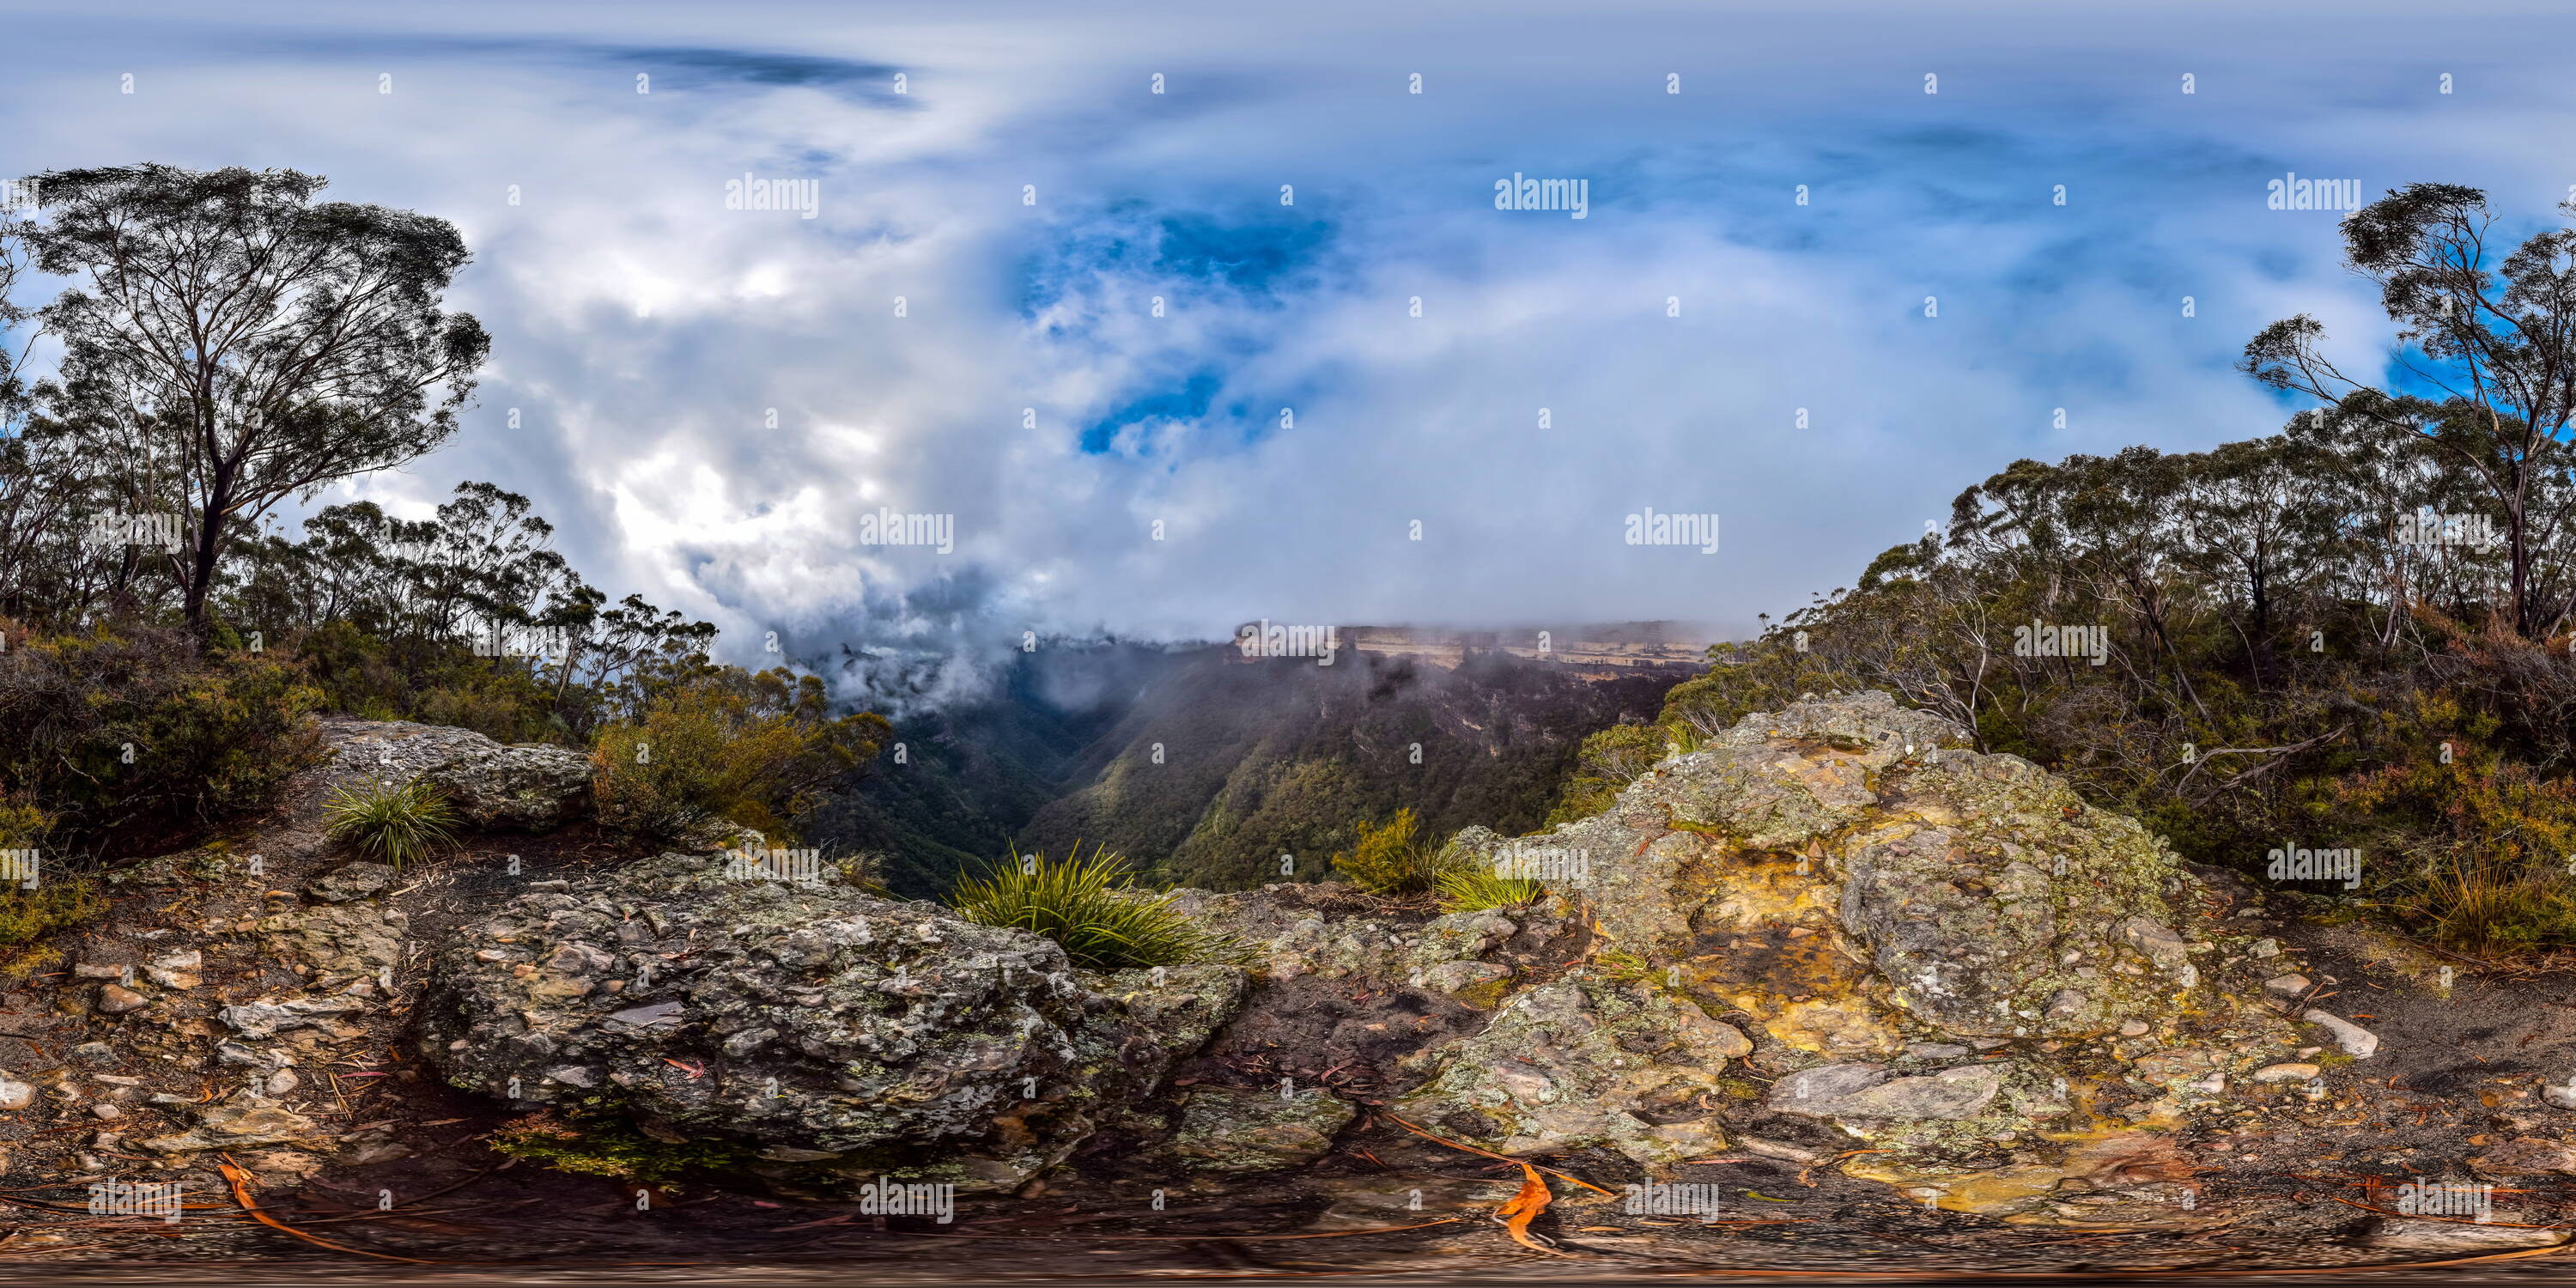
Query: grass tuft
[1476, 888]
[394, 823]
[1085, 904]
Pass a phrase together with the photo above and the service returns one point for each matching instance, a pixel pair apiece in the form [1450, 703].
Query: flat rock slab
[1867, 1091]
[355, 881]
[2356, 1041]
[2418, 1234]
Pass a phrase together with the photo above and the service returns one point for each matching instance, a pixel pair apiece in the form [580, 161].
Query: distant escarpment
[1204, 768]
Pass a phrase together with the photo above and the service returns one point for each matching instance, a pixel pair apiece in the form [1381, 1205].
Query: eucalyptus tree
[230, 343]
[2485, 363]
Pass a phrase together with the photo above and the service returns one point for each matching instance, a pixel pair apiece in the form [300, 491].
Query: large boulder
[526, 787]
[815, 1023]
[1935, 945]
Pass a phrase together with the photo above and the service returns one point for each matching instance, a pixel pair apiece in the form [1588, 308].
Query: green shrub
[751, 749]
[442, 684]
[1391, 859]
[57, 903]
[502, 705]
[2469, 853]
[396, 823]
[1085, 904]
[1608, 761]
[132, 741]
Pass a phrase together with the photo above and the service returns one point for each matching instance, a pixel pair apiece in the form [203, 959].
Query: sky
[1186, 315]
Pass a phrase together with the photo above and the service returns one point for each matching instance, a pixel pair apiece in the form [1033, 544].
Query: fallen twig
[239, 1178]
[1487, 1153]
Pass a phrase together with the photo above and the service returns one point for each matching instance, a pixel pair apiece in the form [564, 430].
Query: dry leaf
[1524, 1208]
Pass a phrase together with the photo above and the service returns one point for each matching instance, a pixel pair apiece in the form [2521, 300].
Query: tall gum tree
[2485, 371]
[230, 343]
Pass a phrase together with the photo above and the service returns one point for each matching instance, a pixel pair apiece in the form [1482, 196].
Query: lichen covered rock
[1329, 932]
[525, 787]
[1234, 1131]
[855, 1033]
[1847, 872]
[1588, 1061]
[1937, 946]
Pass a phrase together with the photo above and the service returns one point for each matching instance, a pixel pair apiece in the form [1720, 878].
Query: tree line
[219, 347]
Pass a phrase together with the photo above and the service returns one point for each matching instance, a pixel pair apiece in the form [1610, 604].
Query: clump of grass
[1086, 904]
[395, 823]
[28, 918]
[2490, 907]
[1476, 888]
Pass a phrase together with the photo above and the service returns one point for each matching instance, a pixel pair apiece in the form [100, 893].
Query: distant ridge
[1599, 647]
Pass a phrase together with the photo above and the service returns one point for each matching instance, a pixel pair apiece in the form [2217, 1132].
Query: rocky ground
[1896, 1009]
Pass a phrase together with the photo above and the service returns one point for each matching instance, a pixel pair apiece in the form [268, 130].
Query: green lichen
[611, 1145]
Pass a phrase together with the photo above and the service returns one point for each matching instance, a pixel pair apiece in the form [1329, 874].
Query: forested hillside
[1203, 769]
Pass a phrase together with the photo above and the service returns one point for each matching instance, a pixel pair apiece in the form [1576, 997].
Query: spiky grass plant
[393, 822]
[1086, 904]
[1475, 888]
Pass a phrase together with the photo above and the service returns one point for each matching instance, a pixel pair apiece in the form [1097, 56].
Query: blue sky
[1030, 199]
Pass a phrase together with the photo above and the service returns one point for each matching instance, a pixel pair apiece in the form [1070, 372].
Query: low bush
[131, 740]
[1607, 762]
[1392, 859]
[752, 749]
[368, 677]
[57, 903]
